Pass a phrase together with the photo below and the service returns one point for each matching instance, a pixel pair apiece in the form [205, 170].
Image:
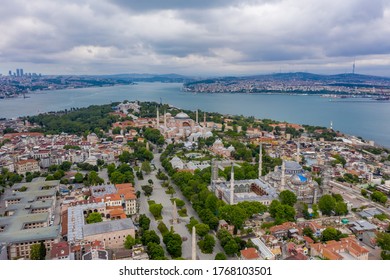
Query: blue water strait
[360, 117]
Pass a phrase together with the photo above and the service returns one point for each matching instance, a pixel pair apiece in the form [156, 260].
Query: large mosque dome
[182, 116]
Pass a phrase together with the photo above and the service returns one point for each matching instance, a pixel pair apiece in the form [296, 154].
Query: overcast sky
[213, 37]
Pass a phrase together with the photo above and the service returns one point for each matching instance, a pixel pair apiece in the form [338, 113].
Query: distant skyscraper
[21, 72]
[10, 73]
[17, 72]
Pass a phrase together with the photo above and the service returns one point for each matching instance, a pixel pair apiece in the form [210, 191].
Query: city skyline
[235, 37]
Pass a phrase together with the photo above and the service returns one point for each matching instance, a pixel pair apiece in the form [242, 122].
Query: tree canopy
[288, 197]
[94, 217]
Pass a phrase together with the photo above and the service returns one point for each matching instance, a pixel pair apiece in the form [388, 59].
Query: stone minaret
[193, 247]
[158, 118]
[298, 152]
[165, 121]
[260, 160]
[204, 120]
[283, 179]
[197, 116]
[231, 202]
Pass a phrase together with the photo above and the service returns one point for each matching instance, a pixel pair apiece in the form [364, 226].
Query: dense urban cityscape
[145, 180]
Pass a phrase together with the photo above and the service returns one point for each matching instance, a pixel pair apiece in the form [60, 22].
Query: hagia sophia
[182, 128]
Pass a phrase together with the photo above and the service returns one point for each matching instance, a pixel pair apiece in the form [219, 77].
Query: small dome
[298, 179]
[182, 115]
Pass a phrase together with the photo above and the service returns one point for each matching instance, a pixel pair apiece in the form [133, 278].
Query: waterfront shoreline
[363, 119]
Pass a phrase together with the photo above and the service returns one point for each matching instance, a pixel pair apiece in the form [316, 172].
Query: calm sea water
[370, 120]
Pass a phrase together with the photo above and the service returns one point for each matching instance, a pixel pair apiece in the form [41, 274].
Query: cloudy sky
[203, 37]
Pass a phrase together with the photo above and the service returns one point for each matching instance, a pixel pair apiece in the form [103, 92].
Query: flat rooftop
[38, 195]
[109, 226]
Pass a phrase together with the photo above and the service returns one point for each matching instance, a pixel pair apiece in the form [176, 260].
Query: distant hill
[358, 78]
[164, 78]
[299, 82]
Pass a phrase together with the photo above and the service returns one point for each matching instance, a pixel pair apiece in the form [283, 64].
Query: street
[159, 196]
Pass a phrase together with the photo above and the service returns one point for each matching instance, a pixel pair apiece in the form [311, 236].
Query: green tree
[78, 177]
[174, 248]
[220, 256]
[207, 244]
[125, 157]
[93, 179]
[155, 251]
[146, 167]
[156, 209]
[116, 130]
[94, 217]
[338, 197]
[65, 166]
[379, 197]
[148, 190]
[288, 197]
[150, 236]
[209, 218]
[179, 203]
[173, 244]
[129, 242]
[327, 204]
[202, 229]
[383, 241]
[331, 234]
[364, 192]
[42, 250]
[341, 208]
[35, 252]
[144, 222]
[212, 203]
[231, 247]
[162, 228]
[252, 207]
[281, 212]
[233, 214]
[193, 222]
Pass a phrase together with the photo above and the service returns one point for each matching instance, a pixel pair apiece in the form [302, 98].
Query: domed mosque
[291, 176]
[182, 128]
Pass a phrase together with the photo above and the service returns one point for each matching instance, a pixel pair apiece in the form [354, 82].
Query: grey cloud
[148, 35]
[152, 5]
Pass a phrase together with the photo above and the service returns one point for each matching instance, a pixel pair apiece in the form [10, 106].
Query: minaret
[260, 160]
[204, 120]
[283, 179]
[298, 152]
[165, 121]
[197, 119]
[331, 125]
[158, 118]
[193, 247]
[232, 185]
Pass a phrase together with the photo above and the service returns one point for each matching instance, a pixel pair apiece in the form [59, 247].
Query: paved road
[355, 195]
[159, 196]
